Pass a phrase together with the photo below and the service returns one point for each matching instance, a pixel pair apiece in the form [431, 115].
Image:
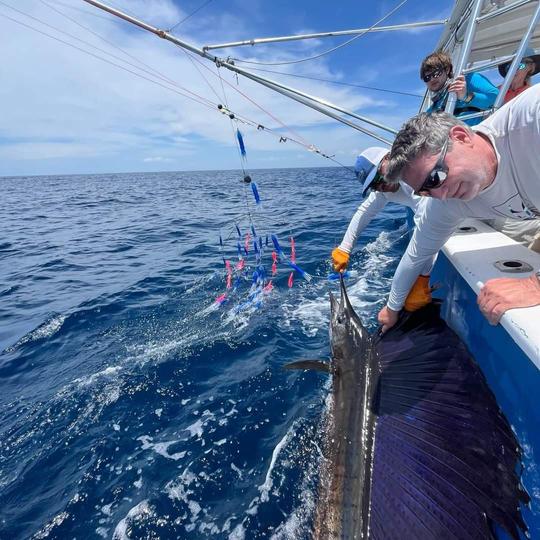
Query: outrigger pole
[313, 102]
[282, 39]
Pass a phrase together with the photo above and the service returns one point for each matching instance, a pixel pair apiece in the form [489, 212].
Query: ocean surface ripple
[132, 406]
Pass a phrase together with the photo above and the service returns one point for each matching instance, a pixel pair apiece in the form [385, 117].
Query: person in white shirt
[490, 170]
[370, 168]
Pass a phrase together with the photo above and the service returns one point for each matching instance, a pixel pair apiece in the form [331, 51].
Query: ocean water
[134, 406]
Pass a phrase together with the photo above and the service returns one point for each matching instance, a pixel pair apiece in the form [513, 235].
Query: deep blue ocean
[134, 406]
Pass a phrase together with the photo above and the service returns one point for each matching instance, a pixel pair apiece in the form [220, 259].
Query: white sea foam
[238, 533]
[90, 380]
[196, 428]
[46, 530]
[178, 490]
[161, 448]
[107, 509]
[103, 532]
[267, 486]
[45, 330]
[141, 510]
[236, 470]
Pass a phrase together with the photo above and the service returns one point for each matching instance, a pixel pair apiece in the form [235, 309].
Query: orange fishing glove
[340, 259]
[420, 294]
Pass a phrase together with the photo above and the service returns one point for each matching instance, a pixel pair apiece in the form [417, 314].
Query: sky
[98, 95]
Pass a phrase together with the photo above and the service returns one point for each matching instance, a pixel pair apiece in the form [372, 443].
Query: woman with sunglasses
[474, 92]
[529, 66]
[370, 169]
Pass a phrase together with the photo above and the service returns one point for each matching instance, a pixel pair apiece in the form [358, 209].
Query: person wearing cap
[474, 92]
[370, 169]
[488, 171]
[529, 66]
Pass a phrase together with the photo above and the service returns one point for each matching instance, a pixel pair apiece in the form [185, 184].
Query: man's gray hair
[426, 132]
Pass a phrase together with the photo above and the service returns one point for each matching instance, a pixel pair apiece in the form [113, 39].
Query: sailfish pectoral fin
[317, 365]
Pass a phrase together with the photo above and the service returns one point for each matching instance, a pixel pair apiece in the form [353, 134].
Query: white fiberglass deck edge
[473, 255]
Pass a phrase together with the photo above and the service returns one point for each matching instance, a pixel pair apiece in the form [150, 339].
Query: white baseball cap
[366, 165]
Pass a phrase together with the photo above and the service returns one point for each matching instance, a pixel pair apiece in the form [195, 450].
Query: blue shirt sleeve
[485, 92]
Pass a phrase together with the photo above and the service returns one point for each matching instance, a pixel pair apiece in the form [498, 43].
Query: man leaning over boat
[489, 170]
[370, 169]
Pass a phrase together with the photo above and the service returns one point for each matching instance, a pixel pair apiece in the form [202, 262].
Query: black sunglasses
[438, 174]
[432, 75]
[377, 181]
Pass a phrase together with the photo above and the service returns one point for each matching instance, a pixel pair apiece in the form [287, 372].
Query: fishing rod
[313, 102]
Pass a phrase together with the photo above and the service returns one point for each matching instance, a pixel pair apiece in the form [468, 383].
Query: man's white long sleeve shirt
[371, 206]
[514, 132]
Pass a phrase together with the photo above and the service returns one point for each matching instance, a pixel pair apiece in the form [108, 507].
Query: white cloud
[61, 103]
[157, 159]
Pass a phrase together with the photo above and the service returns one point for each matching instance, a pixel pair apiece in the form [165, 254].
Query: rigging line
[310, 148]
[83, 10]
[339, 82]
[189, 16]
[275, 118]
[197, 99]
[218, 73]
[62, 32]
[246, 201]
[154, 71]
[202, 75]
[212, 107]
[307, 146]
[391, 12]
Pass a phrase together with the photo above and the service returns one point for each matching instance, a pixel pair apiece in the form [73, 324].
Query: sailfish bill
[416, 445]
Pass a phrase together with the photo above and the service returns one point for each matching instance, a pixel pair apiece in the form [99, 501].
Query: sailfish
[416, 446]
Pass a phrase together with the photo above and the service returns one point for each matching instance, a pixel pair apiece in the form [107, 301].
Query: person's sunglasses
[435, 74]
[377, 182]
[523, 65]
[438, 174]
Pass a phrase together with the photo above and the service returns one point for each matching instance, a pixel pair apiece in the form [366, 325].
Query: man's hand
[459, 86]
[388, 318]
[499, 295]
[340, 260]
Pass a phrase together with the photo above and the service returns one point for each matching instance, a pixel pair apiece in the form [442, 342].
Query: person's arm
[366, 212]
[479, 93]
[535, 244]
[499, 295]
[433, 228]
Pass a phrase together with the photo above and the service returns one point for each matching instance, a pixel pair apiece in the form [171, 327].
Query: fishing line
[152, 71]
[202, 101]
[159, 75]
[180, 90]
[113, 45]
[365, 87]
[83, 11]
[329, 50]
[189, 16]
[303, 143]
[236, 89]
[202, 75]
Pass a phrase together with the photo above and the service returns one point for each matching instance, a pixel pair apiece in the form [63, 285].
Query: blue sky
[67, 112]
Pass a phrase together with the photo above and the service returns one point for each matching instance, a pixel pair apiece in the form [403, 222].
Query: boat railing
[466, 46]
